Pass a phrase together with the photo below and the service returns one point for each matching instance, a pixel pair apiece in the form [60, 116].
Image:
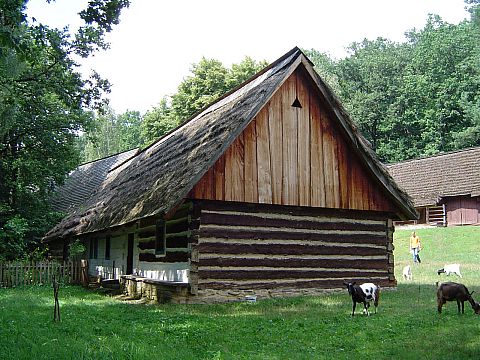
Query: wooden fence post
[16, 273]
[56, 310]
[84, 271]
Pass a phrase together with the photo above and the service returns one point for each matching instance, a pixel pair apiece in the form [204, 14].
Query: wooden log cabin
[271, 190]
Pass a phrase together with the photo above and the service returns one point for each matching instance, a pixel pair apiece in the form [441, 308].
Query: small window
[93, 248]
[107, 247]
[160, 238]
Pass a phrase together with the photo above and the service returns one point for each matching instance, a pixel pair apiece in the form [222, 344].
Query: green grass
[407, 325]
[441, 246]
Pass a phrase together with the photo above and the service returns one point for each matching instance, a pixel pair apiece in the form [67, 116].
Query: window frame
[93, 248]
[108, 246]
[160, 238]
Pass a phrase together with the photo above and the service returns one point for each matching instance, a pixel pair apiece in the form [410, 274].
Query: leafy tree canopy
[209, 80]
[44, 103]
[111, 134]
[416, 98]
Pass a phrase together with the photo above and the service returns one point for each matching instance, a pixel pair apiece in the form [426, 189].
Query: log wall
[172, 266]
[246, 247]
[290, 155]
[179, 228]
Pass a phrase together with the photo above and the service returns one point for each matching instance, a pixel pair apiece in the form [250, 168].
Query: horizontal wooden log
[177, 228]
[295, 262]
[179, 234]
[146, 245]
[285, 274]
[296, 284]
[251, 220]
[194, 238]
[292, 210]
[183, 210]
[170, 257]
[146, 234]
[172, 242]
[178, 225]
[178, 242]
[194, 224]
[279, 249]
[148, 221]
[252, 233]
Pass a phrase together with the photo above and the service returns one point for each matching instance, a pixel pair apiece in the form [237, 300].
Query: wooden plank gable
[292, 153]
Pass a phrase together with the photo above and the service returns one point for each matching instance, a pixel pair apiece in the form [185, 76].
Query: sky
[154, 46]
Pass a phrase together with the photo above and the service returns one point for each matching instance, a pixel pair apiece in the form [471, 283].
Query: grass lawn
[407, 325]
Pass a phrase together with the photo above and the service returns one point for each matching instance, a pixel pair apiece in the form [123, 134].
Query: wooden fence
[28, 273]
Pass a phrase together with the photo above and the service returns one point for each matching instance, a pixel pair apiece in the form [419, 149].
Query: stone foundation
[180, 293]
[155, 290]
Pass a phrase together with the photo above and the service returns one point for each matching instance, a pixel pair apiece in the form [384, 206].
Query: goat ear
[345, 283]
[353, 283]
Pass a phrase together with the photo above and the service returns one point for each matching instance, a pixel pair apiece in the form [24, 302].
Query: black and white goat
[364, 293]
[451, 291]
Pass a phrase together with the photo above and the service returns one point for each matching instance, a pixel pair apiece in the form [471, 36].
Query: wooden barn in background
[445, 188]
[269, 191]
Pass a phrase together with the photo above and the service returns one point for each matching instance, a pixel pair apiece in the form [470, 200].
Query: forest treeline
[409, 99]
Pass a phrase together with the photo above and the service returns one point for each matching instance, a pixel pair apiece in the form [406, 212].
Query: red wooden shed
[445, 188]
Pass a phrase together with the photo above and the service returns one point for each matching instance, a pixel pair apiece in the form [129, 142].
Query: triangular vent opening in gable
[297, 104]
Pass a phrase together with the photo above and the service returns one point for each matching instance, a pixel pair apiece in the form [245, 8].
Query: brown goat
[450, 291]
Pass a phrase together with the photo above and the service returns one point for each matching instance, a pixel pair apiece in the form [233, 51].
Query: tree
[111, 134]
[44, 103]
[209, 80]
[158, 121]
[369, 82]
[416, 98]
[470, 102]
[241, 72]
[325, 66]
[442, 83]
[473, 7]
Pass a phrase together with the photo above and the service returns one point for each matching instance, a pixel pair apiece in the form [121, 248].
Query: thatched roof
[85, 180]
[160, 177]
[430, 179]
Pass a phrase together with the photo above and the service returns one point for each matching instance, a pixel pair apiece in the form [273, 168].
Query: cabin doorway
[131, 237]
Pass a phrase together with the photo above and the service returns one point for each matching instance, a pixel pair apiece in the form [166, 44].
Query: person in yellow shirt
[415, 247]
